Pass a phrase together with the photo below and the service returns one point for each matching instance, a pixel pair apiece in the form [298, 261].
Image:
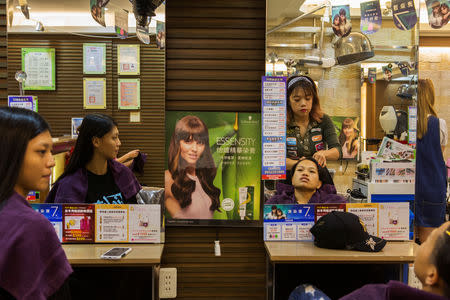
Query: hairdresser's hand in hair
[321, 158]
[291, 162]
[127, 159]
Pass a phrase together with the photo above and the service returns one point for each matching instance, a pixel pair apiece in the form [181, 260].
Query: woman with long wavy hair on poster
[189, 189]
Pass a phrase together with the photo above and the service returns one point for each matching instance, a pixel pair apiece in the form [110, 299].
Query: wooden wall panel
[67, 101]
[215, 51]
[3, 55]
[215, 60]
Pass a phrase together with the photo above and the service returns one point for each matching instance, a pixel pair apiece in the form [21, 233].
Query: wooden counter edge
[357, 257]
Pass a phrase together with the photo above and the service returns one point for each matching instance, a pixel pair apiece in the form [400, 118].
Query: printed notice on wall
[128, 59]
[145, 223]
[273, 100]
[394, 221]
[111, 223]
[94, 58]
[94, 91]
[129, 94]
[39, 64]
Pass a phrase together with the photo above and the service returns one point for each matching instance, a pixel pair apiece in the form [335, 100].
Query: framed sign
[128, 60]
[94, 93]
[39, 64]
[129, 94]
[94, 58]
[213, 178]
[28, 102]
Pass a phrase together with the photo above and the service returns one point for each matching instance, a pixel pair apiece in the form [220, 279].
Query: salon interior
[213, 60]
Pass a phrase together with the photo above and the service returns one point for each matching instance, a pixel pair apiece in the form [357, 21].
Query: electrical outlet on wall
[167, 283]
[413, 281]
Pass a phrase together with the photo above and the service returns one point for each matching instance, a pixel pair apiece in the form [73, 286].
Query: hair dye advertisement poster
[78, 222]
[404, 14]
[213, 168]
[438, 13]
[53, 212]
[144, 224]
[340, 20]
[323, 209]
[111, 223]
[288, 222]
[370, 17]
[348, 134]
[394, 221]
[368, 213]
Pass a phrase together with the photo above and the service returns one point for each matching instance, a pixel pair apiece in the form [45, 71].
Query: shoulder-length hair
[93, 125]
[348, 123]
[191, 128]
[309, 88]
[425, 103]
[17, 127]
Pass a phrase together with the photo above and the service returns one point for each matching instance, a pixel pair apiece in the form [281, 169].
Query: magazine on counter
[393, 150]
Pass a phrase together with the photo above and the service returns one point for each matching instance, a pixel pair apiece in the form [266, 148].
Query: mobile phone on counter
[116, 253]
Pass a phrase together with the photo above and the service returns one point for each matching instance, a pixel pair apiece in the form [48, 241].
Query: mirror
[357, 74]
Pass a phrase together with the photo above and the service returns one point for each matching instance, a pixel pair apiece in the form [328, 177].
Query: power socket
[413, 281]
[167, 283]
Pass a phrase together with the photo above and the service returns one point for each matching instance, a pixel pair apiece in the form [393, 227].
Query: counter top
[89, 254]
[305, 252]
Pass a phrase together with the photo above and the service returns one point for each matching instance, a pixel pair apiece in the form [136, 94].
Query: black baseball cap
[344, 230]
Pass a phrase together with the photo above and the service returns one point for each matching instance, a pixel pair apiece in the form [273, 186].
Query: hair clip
[448, 232]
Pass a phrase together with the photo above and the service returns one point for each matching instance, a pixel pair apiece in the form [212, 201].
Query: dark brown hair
[309, 88]
[441, 258]
[192, 128]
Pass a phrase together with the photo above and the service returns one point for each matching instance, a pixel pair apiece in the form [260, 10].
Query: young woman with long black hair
[93, 175]
[189, 189]
[33, 264]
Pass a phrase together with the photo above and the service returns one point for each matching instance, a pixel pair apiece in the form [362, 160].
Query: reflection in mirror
[98, 16]
[369, 68]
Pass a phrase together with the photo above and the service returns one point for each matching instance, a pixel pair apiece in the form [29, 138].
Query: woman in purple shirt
[311, 183]
[33, 264]
[93, 175]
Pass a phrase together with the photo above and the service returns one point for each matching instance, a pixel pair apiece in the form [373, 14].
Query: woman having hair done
[309, 132]
[431, 173]
[189, 189]
[32, 263]
[93, 175]
[311, 183]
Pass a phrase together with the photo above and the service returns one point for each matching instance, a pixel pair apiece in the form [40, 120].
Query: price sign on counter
[273, 103]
